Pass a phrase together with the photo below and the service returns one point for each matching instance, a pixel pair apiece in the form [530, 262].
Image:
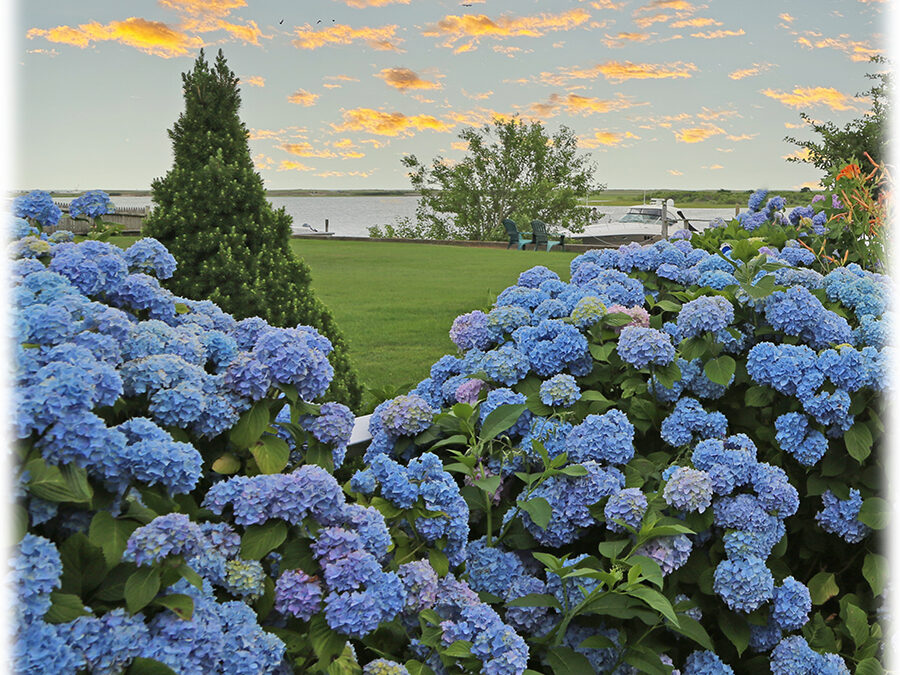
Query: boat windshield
[642, 215]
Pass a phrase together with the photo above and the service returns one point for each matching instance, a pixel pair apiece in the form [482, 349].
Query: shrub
[210, 211]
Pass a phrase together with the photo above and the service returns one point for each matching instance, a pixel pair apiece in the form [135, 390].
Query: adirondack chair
[515, 237]
[541, 236]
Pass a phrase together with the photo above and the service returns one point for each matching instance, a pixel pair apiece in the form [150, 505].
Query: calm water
[352, 216]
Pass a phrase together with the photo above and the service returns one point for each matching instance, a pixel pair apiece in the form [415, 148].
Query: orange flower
[849, 171]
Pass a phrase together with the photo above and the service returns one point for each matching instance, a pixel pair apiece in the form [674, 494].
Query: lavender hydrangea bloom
[149, 256]
[689, 490]
[628, 505]
[689, 419]
[490, 568]
[172, 534]
[406, 415]
[420, 583]
[705, 663]
[560, 390]
[670, 552]
[504, 396]
[470, 331]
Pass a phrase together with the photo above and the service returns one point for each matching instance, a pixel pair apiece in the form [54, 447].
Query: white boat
[641, 222]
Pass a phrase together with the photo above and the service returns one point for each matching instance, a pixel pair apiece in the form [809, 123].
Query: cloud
[579, 105]
[382, 39]
[607, 4]
[754, 70]
[787, 18]
[404, 78]
[793, 125]
[478, 97]
[645, 21]
[338, 174]
[303, 97]
[328, 84]
[388, 124]
[697, 134]
[708, 115]
[361, 4]
[741, 137]
[715, 34]
[801, 154]
[478, 117]
[262, 162]
[49, 52]
[804, 97]
[857, 50]
[607, 138]
[725, 149]
[160, 38]
[714, 167]
[151, 37]
[291, 165]
[344, 143]
[677, 5]
[510, 51]
[616, 41]
[254, 81]
[352, 154]
[305, 150]
[460, 145]
[472, 27]
[619, 72]
[676, 172]
[697, 22]
[812, 184]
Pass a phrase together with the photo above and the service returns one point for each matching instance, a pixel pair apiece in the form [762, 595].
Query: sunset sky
[662, 93]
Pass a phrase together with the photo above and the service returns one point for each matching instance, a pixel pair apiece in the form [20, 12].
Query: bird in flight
[281, 22]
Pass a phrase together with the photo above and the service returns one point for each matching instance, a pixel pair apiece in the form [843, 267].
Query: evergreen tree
[212, 213]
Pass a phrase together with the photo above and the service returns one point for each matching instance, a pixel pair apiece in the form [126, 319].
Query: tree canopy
[512, 169]
[211, 212]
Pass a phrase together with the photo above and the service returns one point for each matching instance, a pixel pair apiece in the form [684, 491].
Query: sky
[661, 93]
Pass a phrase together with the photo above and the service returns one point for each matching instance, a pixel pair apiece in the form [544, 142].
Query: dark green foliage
[212, 214]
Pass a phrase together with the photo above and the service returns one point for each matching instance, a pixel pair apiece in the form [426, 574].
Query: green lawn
[396, 302]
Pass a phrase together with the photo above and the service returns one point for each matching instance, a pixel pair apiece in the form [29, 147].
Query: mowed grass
[395, 302]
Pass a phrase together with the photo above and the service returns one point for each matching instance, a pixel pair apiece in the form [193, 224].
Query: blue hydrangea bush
[669, 463]
[177, 491]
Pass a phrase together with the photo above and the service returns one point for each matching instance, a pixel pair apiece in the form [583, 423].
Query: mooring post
[326, 224]
[665, 225]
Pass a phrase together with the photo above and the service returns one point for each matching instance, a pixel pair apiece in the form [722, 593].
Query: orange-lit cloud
[801, 154]
[804, 97]
[159, 38]
[478, 97]
[327, 82]
[792, 125]
[579, 105]
[254, 81]
[472, 27]
[620, 40]
[697, 134]
[352, 154]
[697, 22]
[277, 135]
[607, 4]
[716, 34]
[360, 4]
[303, 97]
[305, 150]
[708, 115]
[460, 145]
[756, 69]
[676, 172]
[338, 174]
[383, 38]
[478, 117]
[607, 138]
[676, 5]
[388, 124]
[645, 21]
[344, 143]
[150, 37]
[49, 52]
[510, 51]
[262, 162]
[787, 18]
[291, 165]
[714, 167]
[619, 72]
[741, 137]
[725, 149]
[404, 78]
[857, 50]
[812, 185]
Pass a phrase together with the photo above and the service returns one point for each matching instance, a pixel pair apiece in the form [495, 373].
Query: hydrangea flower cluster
[92, 204]
[38, 206]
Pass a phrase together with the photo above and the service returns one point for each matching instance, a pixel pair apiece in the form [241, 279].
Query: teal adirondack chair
[515, 237]
[541, 236]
